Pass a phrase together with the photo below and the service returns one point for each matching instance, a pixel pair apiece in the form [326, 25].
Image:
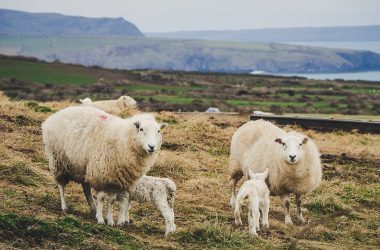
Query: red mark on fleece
[103, 117]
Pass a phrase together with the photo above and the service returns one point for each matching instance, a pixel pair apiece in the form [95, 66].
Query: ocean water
[368, 76]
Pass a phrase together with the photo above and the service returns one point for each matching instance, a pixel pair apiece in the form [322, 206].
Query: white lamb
[111, 106]
[254, 193]
[99, 150]
[159, 191]
[292, 158]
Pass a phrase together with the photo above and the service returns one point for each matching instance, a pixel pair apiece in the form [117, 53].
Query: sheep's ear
[250, 174]
[163, 125]
[265, 173]
[305, 140]
[137, 124]
[279, 140]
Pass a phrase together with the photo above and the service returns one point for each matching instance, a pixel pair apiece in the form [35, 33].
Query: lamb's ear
[137, 124]
[265, 173]
[279, 140]
[163, 125]
[250, 174]
[305, 140]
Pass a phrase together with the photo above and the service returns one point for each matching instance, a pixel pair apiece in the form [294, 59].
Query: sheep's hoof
[253, 233]
[238, 222]
[121, 222]
[101, 221]
[266, 226]
[288, 221]
[110, 223]
[301, 219]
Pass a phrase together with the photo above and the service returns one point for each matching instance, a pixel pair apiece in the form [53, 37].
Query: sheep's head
[292, 148]
[127, 101]
[258, 176]
[149, 135]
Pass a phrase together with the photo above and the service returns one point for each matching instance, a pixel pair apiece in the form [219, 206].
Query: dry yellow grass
[342, 213]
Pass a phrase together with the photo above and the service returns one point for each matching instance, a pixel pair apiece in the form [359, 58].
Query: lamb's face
[292, 148]
[149, 135]
[128, 101]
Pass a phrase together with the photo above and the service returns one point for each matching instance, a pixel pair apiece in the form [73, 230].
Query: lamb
[99, 150]
[160, 191]
[255, 194]
[292, 158]
[111, 106]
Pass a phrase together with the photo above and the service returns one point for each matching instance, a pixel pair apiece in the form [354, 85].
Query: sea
[367, 76]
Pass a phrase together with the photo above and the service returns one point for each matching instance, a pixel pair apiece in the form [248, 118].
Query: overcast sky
[175, 15]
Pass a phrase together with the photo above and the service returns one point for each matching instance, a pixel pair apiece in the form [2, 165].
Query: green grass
[174, 99]
[43, 73]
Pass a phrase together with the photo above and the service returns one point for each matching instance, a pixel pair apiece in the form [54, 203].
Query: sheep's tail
[171, 189]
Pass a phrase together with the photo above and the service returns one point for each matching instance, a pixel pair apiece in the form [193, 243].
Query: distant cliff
[40, 24]
[304, 34]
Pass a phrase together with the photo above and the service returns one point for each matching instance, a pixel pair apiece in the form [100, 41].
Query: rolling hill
[189, 55]
[38, 24]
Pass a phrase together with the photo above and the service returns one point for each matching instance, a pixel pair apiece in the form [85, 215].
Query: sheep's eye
[141, 129]
[300, 144]
[159, 131]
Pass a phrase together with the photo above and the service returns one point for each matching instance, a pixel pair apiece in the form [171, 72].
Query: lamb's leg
[265, 212]
[237, 213]
[174, 227]
[165, 210]
[111, 201]
[299, 208]
[99, 211]
[61, 188]
[252, 222]
[257, 218]
[123, 198]
[90, 199]
[285, 198]
[234, 179]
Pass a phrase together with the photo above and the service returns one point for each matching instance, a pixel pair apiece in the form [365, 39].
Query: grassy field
[23, 78]
[343, 213]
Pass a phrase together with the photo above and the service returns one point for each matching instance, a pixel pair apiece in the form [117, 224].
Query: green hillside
[25, 78]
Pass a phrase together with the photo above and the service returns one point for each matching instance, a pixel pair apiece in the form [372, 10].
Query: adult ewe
[292, 158]
[111, 106]
[159, 191]
[96, 149]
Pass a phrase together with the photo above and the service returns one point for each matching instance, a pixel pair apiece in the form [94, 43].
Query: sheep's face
[128, 101]
[149, 135]
[292, 148]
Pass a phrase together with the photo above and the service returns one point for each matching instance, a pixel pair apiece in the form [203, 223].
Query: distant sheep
[255, 194]
[292, 158]
[159, 191]
[98, 150]
[111, 106]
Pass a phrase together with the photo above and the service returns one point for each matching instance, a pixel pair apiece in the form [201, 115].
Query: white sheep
[254, 193]
[292, 158]
[111, 106]
[99, 150]
[159, 191]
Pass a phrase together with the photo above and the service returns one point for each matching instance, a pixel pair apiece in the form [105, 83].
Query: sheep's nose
[292, 157]
[151, 146]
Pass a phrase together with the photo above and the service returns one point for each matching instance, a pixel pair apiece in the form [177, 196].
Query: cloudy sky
[175, 15]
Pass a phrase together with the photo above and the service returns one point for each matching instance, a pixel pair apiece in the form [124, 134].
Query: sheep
[99, 150]
[255, 194]
[160, 191]
[111, 106]
[292, 158]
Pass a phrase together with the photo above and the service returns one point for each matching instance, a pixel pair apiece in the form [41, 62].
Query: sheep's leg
[99, 211]
[61, 188]
[123, 198]
[174, 227]
[90, 200]
[299, 208]
[237, 213]
[285, 198]
[265, 212]
[234, 179]
[166, 212]
[257, 218]
[111, 201]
